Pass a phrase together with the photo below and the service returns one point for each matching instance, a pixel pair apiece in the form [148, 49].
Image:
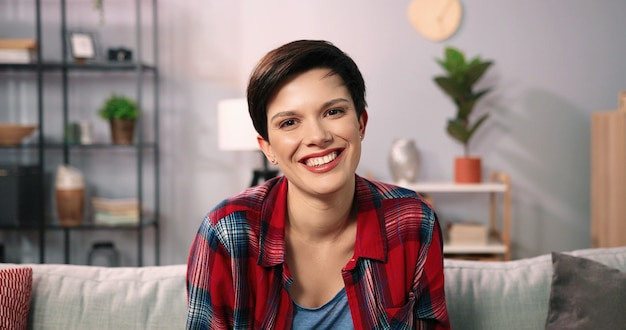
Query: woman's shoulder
[397, 198]
[388, 190]
[246, 205]
[403, 211]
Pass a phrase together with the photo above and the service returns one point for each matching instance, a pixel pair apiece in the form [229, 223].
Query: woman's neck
[320, 219]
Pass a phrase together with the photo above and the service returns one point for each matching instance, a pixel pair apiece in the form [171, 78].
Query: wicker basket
[13, 134]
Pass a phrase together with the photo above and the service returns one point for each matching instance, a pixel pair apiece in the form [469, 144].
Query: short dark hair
[297, 57]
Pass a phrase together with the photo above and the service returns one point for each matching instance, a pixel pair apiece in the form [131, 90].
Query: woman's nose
[317, 134]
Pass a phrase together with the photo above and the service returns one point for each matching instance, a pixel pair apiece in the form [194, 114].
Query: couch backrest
[479, 295]
[508, 295]
[89, 297]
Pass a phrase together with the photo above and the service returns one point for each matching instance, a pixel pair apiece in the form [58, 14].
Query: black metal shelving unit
[41, 147]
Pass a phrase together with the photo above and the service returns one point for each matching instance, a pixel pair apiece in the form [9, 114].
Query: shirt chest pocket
[401, 317]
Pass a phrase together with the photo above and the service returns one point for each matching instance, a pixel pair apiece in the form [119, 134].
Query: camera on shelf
[120, 54]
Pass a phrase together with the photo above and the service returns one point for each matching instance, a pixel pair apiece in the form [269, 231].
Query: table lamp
[235, 132]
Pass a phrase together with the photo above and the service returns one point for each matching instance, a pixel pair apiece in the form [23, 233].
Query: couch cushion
[84, 297]
[15, 292]
[586, 295]
[508, 295]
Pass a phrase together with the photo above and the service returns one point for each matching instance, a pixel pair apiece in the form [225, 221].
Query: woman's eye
[334, 112]
[287, 123]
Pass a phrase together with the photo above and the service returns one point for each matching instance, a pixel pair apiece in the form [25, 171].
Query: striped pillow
[15, 291]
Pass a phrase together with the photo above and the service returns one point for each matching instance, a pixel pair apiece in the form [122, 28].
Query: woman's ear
[266, 148]
[363, 123]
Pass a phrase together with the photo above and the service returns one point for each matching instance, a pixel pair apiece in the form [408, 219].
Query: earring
[273, 161]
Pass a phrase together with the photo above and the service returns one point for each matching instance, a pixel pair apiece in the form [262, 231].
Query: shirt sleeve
[209, 281]
[431, 311]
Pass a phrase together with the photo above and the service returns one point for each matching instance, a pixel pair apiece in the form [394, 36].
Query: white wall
[555, 63]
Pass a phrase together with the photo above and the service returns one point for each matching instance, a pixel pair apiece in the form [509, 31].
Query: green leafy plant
[118, 107]
[458, 84]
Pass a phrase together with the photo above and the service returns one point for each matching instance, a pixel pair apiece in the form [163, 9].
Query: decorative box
[20, 195]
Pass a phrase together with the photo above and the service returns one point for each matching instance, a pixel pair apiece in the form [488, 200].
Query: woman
[319, 247]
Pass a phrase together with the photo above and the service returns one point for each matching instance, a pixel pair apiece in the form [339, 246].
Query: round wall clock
[436, 20]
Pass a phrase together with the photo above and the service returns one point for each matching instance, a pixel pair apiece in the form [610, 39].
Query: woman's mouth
[319, 161]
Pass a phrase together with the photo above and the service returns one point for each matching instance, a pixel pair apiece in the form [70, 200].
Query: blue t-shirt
[334, 314]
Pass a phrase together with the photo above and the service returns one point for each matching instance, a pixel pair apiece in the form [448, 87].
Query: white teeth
[321, 160]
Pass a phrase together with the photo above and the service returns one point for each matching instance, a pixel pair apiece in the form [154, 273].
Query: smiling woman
[317, 247]
[314, 134]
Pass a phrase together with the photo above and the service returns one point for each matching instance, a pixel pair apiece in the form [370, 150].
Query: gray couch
[480, 295]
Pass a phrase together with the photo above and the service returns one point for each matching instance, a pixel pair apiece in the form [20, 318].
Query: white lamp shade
[234, 126]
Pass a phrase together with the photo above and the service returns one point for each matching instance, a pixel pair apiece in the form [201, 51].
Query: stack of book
[17, 50]
[115, 211]
[468, 233]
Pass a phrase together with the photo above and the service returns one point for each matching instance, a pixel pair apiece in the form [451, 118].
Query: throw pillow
[585, 294]
[15, 290]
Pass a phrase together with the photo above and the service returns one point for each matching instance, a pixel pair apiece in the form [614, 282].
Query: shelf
[94, 66]
[450, 187]
[90, 226]
[19, 227]
[51, 148]
[87, 226]
[494, 246]
[60, 145]
[499, 244]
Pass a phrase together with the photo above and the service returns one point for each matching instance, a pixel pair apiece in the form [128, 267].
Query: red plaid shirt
[237, 277]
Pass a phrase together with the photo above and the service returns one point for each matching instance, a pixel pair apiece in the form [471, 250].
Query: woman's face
[314, 133]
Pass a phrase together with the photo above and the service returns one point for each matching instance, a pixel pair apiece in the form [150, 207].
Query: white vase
[404, 161]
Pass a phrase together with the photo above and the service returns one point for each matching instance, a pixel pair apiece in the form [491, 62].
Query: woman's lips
[325, 163]
[319, 161]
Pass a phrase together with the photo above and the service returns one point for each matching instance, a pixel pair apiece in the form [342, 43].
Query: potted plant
[458, 83]
[122, 113]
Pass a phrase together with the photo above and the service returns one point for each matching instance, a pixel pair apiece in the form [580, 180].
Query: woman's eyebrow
[288, 113]
[335, 101]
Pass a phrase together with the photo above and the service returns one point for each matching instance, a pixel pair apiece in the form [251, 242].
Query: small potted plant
[122, 113]
[458, 84]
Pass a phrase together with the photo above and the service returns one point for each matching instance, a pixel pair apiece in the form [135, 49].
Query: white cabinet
[499, 244]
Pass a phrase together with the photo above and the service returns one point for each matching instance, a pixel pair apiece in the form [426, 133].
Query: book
[104, 218]
[468, 233]
[16, 56]
[29, 44]
[17, 50]
[115, 204]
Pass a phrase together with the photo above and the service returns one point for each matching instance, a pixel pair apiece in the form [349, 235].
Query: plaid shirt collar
[370, 242]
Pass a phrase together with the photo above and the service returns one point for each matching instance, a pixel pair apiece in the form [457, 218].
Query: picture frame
[82, 45]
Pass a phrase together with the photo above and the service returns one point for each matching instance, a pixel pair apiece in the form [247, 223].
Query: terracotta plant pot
[122, 131]
[467, 170]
